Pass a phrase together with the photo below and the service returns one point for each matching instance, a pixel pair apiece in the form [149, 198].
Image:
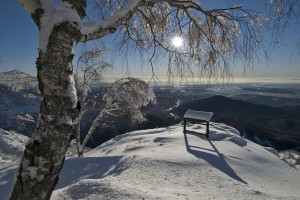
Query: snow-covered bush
[127, 96]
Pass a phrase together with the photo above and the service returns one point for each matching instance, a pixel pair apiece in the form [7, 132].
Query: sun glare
[177, 41]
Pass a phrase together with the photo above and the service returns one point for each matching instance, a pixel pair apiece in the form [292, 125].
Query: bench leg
[184, 125]
[207, 129]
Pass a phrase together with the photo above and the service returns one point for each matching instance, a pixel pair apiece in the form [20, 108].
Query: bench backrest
[200, 115]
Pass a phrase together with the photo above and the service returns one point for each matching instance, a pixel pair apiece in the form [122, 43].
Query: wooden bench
[197, 116]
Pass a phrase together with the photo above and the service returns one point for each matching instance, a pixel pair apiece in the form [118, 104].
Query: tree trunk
[78, 138]
[91, 130]
[45, 153]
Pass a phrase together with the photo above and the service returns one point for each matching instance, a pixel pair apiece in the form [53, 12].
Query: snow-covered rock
[292, 157]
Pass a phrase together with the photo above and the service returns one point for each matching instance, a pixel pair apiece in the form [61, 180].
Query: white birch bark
[58, 114]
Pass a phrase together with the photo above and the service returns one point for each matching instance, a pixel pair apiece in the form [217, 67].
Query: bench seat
[197, 116]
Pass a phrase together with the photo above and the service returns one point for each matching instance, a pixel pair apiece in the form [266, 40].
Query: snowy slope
[167, 164]
[12, 146]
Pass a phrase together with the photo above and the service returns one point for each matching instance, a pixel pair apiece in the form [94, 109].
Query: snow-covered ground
[167, 164]
[12, 146]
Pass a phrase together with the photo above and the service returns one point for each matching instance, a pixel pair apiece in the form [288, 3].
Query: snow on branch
[30, 5]
[150, 23]
[35, 9]
[212, 38]
[53, 16]
[94, 30]
[127, 96]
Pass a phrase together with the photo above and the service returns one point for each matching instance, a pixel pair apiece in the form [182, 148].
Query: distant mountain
[278, 127]
[14, 75]
[226, 107]
[18, 80]
[17, 110]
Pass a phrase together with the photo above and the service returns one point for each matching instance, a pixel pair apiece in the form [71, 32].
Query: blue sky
[18, 37]
[19, 44]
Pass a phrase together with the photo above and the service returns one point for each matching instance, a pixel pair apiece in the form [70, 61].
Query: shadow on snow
[6, 181]
[76, 169]
[218, 161]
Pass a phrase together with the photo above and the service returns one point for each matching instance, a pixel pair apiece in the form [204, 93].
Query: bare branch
[80, 6]
[282, 15]
[212, 38]
[34, 8]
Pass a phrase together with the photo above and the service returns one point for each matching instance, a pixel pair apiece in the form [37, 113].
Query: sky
[19, 50]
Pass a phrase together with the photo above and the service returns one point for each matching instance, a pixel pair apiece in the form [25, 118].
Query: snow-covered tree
[17, 80]
[124, 97]
[90, 68]
[213, 38]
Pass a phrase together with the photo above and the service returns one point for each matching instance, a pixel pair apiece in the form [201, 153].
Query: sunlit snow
[164, 163]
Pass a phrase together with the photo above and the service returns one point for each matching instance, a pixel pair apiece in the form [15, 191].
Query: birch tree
[124, 97]
[214, 37]
[89, 69]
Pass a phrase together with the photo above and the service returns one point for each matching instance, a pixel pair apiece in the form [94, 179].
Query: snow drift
[164, 163]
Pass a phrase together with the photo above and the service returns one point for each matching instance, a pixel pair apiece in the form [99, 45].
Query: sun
[177, 41]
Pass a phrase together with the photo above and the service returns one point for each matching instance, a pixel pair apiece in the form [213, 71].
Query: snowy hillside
[167, 164]
[18, 80]
[12, 146]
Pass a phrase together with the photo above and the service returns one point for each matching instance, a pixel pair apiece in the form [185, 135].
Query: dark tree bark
[44, 154]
